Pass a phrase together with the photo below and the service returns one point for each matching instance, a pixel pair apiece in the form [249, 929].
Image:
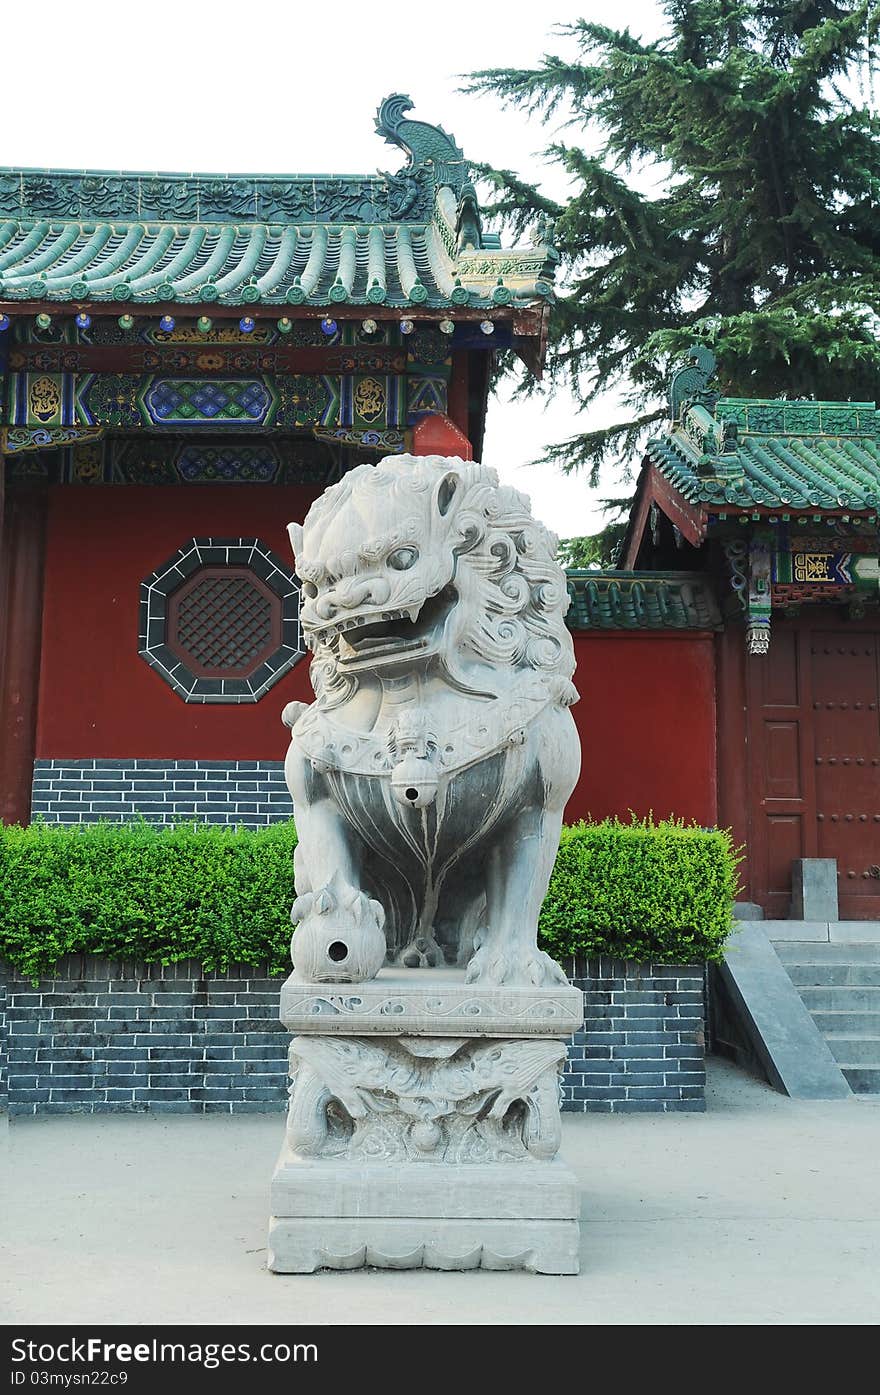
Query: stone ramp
[766, 1021]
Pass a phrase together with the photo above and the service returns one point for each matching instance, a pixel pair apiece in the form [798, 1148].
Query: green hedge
[137, 891]
[660, 893]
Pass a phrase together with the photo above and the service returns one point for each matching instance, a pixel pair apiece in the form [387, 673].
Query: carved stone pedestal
[424, 1126]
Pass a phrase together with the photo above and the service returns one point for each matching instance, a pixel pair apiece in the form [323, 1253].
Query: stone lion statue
[430, 775]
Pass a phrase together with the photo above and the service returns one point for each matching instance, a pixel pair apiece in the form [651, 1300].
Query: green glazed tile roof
[412, 238]
[643, 600]
[403, 265]
[797, 454]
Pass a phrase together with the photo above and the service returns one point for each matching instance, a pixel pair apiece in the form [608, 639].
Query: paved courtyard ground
[762, 1211]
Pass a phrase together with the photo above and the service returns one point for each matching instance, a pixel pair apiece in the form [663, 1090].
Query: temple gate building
[188, 360]
[772, 507]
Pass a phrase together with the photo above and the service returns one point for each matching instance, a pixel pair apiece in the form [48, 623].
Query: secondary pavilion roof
[794, 454]
[411, 239]
[723, 458]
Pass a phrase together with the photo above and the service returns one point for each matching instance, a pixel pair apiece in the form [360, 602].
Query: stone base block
[429, 1002]
[814, 888]
[335, 1214]
[300, 1245]
[473, 1191]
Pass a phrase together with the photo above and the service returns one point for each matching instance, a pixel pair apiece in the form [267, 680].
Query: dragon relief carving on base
[424, 1099]
[430, 774]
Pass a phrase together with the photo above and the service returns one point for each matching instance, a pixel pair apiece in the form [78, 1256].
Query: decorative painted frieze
[130, 401]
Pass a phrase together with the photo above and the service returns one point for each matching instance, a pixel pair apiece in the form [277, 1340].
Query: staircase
[840, 987]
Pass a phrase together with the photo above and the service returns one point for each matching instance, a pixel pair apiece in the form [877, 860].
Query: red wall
[646, 714]
[98, 697]
[647, 723]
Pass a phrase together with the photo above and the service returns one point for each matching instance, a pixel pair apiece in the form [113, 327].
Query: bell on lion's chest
[414, 781]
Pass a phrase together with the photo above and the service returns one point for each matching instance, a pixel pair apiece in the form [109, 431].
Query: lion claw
[525, 967]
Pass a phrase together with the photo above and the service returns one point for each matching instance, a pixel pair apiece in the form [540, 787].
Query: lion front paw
[514, 965]
[339, 936]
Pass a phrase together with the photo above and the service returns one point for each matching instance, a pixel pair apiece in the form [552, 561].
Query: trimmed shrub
[138, 891]
[660, 893]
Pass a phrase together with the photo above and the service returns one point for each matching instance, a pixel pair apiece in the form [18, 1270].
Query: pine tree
[732, 197]
[597, 549]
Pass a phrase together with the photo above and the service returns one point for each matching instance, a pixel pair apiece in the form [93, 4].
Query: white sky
[289, 87]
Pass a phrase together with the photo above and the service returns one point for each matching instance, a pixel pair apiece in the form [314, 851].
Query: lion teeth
[356, 622]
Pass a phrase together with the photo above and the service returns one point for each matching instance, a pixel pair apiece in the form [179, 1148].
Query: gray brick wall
[4, 1040]
[102, 1036]
[247, 792]
[643, 1044]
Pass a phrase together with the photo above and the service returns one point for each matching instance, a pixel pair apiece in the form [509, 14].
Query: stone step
[863, 1080]
[834, 975]
[848, 999]
[797, 952]
[853, 1050]
[839, 1022]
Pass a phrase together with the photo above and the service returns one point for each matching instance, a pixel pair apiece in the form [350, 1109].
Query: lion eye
[309, 589]
[402, 558]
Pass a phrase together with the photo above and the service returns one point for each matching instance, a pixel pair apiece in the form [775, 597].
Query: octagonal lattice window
[219, 621]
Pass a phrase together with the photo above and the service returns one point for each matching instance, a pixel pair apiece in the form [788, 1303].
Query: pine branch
[592, 448]
[519, 204]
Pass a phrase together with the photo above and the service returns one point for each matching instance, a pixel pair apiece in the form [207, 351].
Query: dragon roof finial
[692, 381]
[421, 141]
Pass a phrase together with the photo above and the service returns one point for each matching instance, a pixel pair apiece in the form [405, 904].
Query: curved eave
[775, 473]
[403, 267]
[694, 515]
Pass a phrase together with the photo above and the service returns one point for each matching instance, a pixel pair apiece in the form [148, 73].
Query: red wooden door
[845, 679]
[22, 565]
[782, 825]
[814, 760]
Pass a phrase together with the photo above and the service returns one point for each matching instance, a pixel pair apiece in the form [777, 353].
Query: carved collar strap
[503, 722]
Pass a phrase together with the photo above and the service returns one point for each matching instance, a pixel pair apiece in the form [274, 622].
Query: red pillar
[21, 614]
[732, 740]
[436, 434]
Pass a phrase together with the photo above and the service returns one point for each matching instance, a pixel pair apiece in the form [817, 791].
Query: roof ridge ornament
[691, 383]
[421, 141]
[468, 224]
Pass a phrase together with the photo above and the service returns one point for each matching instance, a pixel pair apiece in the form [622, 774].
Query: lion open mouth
[368, 637]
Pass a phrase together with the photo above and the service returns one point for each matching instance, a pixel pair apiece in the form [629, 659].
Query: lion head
[423, 557]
